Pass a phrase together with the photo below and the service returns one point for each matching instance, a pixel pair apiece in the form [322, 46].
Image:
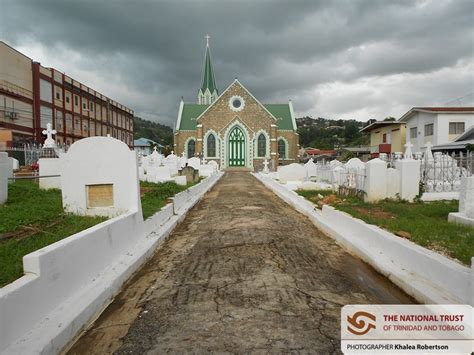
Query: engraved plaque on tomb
[101, 195]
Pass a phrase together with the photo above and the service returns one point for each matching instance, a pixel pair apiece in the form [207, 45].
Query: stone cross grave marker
[49, 142]
[265, 166]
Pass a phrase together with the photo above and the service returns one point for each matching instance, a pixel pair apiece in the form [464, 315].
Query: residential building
[32, 95]
[437, 125]
[145, 146]
[385, 137]
[459, 144]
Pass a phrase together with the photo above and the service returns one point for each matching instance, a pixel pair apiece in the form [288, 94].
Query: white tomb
[194, 162]
[466, 203]
[49, 167]
[292, 172]
[48, 132]
[99, 176]
[5, 168]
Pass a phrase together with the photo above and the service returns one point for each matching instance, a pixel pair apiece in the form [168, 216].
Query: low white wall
[427, 276]
[69, 283]
[439, 196]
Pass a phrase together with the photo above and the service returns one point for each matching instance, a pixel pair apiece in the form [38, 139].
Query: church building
[234, 128]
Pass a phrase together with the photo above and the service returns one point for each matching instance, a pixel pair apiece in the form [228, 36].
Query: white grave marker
[49, 142]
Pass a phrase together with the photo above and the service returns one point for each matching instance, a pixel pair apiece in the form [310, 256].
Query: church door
[236, 151]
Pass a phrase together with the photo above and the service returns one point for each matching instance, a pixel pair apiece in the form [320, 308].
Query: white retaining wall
[427, 276]
[69, 283]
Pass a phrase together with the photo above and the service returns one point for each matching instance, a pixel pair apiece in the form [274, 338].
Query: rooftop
[453, 109]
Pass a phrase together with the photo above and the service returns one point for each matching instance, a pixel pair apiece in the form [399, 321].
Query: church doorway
[236, 148]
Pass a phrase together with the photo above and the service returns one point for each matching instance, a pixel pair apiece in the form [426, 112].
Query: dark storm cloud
[336, 58]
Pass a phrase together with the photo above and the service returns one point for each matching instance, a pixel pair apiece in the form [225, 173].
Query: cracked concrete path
[244, 272]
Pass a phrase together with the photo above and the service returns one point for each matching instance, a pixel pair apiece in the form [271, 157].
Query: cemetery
[100, 212]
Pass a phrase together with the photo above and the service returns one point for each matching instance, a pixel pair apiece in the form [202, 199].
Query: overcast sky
[335, 59]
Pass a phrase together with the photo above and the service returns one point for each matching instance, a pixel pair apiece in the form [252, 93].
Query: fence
[29, 154]
[443, 172]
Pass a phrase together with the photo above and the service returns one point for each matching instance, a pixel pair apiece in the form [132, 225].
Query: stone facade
[253, 119]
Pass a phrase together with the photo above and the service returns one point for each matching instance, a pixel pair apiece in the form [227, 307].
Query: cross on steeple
[207, 39]
[208, 92]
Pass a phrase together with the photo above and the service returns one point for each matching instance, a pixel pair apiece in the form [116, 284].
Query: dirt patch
[374, 213]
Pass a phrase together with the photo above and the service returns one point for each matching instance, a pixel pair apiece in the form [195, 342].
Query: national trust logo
[361, 323]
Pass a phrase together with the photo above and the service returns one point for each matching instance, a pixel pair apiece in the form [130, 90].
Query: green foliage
[426, 222]
[328, 134]
[156, 195]
[34, 218]
[470, 147]
[390, 118]
[152, 130]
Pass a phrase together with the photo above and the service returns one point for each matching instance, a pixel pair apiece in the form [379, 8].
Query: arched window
[211, 146]
[191, 148]
[282, 149]
[261, 145]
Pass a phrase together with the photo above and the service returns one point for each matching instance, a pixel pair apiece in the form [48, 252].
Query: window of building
[384, 138]
[261, 145]
[84, 105]
[282, 149]
[429, 129]
[456, 127]
[211, 146]
[67, 99]
[191, 148]
[413, 132]
[58, 95]
[76, 101]
[92, 107]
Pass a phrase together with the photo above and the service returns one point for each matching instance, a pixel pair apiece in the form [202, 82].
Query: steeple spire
[208, 92]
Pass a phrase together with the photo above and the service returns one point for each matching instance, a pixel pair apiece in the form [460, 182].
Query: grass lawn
[154, 196]
[30, 220]
[424, 223]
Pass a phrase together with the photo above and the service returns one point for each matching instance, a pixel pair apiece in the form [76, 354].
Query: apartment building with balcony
[385, 137]
[32, 95]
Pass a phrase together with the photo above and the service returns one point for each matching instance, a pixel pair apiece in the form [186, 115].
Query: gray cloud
[351, 59]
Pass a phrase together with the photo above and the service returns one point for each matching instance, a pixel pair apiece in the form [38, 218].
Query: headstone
[408, 153]
[393, 182]
[466, 203]
[265, 166]
[49, 142]
[180, 180]
[292, 172]
[191, 174]
[428, 153]
[310, 168]
[355, 163]
[5, 168]
[182, 161]
[141, 173]
[99, 176]
[409, 178]
[15, 164]
[163, 174]
[49, 167]
[375, 185]
[335, 163]
[194, 162]
[171, 161]
[214, 164]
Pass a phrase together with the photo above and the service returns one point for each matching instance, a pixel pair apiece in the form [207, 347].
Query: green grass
[38, 219]
[426, 222]
[156, 195]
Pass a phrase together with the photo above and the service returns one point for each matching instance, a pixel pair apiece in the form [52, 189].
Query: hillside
[152, 130]
[324, 133]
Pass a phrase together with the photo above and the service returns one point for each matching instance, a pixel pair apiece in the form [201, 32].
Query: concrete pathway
[244, 272]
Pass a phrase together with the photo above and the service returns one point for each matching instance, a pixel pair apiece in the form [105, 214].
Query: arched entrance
[236, 148]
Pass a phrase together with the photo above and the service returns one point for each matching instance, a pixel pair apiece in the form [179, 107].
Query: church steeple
[208, 91]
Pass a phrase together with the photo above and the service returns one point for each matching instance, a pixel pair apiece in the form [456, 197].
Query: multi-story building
[385, 137]
[437, 125]
[32, 96]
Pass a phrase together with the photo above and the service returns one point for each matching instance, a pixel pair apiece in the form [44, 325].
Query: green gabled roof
[282, 113]
[190, 112]
[189, 115]
[208, 79]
